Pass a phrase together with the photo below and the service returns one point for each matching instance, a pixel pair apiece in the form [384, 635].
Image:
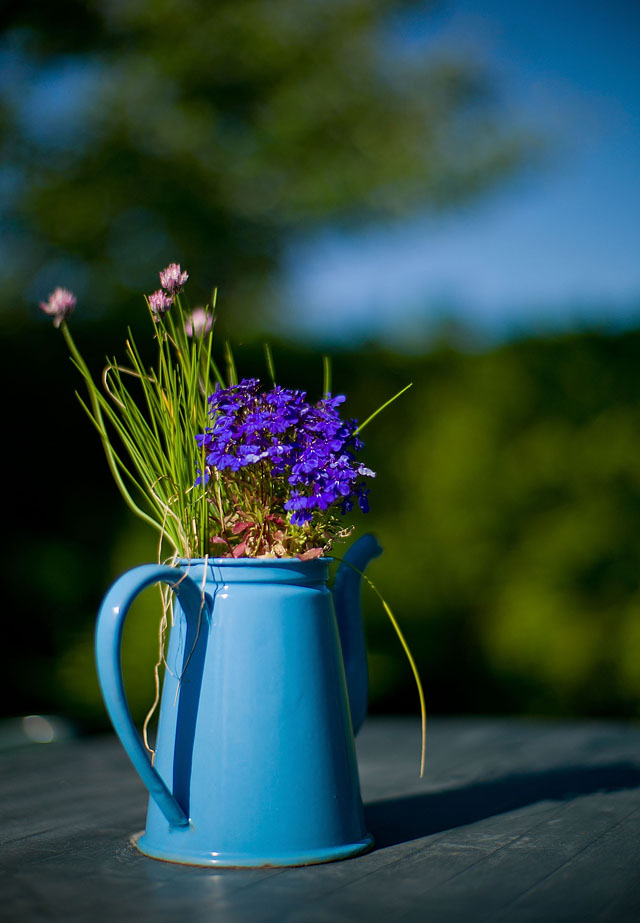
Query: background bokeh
[433, 195]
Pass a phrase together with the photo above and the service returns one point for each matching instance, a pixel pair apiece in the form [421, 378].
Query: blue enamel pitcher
[264, 688]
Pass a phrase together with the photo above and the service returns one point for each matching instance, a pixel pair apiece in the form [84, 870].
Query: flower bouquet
[216, 465]
[239, 479]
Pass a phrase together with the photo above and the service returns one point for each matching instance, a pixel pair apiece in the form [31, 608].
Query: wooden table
[515, 821]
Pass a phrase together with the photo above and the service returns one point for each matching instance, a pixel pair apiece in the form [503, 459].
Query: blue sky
[558, 246]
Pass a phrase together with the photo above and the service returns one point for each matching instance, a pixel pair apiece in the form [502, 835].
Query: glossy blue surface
[255, 760]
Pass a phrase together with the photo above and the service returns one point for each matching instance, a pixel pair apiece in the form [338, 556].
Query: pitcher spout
[348, 607]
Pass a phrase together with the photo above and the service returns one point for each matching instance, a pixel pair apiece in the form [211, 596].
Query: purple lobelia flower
[159, 303]
[306, 451]
[59, 305]
[198, 323]
[172, 279]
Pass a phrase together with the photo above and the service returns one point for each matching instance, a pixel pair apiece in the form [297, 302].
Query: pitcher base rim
[241, 860]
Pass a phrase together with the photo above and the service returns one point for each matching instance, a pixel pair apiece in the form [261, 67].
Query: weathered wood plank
[576, 884]
[514, 820]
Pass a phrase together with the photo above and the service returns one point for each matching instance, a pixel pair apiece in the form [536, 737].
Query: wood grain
[515, 821]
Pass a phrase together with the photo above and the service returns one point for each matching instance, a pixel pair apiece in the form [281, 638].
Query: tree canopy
[135, 133]
[507, 500]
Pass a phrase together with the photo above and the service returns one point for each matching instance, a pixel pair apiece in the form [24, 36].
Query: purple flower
[172, 278]
[60, 305]
[159, 303]
[198, 323]
[305, 449]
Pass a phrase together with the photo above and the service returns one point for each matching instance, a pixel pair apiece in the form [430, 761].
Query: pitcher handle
[109, 627]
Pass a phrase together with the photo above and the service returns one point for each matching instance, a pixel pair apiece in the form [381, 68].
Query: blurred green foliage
[137, 133]
[512, 493]
[507, 497]
[507, 501]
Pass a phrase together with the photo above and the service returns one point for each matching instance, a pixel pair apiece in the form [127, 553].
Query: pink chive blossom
[172, 278]
[60, 305]
[198, 323]
[159, 303]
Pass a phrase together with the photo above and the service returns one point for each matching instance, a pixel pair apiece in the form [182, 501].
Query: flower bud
[59, 305]
[172, 279]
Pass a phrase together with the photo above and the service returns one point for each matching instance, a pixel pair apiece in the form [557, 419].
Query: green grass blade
[326, 375]
[271, 369]
[408, 654]
[232, 373]
[383, 407]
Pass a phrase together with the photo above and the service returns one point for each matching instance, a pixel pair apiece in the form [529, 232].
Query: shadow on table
[399, 820]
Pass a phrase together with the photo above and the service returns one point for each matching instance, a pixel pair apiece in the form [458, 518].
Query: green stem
[326, 375]
[232, 373]
[412, 663]
[380, 409]
[271, 369]
[95, 406]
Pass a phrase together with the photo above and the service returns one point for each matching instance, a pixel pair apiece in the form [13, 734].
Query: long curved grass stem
[409, 656]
